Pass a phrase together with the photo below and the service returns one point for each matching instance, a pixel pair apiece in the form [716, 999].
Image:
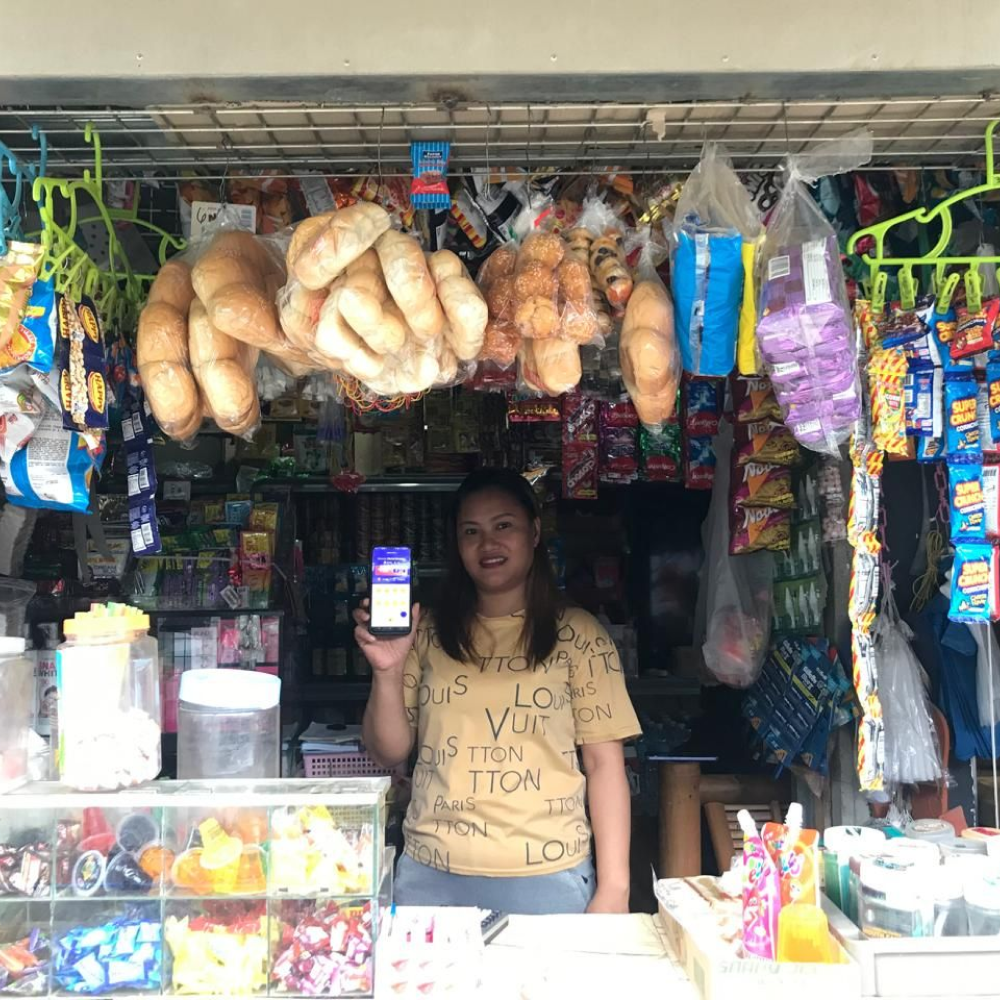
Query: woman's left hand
[609, 901]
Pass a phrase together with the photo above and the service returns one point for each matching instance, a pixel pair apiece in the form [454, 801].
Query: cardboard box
[716, 976]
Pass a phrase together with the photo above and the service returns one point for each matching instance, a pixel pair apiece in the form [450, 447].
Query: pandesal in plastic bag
[648, 352]
[501, 338]
[714, 218]
[804, 325]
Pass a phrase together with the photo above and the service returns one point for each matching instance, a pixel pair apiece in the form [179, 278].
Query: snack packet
[962, 436]
[974, 583]
[966, 502]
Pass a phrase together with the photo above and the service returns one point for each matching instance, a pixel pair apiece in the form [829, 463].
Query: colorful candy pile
[25, 865]
[124, 954]
[216, 863]
[224, 952]
[324, 950]
[312, 855]
[24, 965]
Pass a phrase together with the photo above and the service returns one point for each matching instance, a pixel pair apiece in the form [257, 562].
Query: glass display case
[193, 888]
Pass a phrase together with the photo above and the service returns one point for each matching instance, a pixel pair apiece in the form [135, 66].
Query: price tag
[207, 216]
[176, 489]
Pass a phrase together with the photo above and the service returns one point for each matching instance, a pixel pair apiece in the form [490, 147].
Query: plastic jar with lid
[982, 904]
[228, 724]
[108, 678]
[897, 898]
[17, 689]
[950, 919]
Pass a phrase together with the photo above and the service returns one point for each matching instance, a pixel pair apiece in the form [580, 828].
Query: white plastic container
[108, 677]
[897, 898]
[982, 904]
[228, 724]
[17, 687]
[839, 843]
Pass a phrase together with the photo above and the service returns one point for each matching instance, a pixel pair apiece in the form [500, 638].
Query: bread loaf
[499, 264]
[501, 343]
[340, 344]
[464, 306]
[367, 308]
[648, 352]
[411, 285]
[557, 367]
[298, 313]
[224, 369]
[323, 247]
[164, 366]
[445, 264]
[172, 285]
[236, 279]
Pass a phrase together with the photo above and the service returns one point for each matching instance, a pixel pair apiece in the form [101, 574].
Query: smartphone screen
[390, 597]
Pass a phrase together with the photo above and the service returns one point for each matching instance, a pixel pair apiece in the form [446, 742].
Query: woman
[499, 691]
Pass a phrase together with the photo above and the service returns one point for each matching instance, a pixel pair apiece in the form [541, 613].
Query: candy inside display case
[191, 888]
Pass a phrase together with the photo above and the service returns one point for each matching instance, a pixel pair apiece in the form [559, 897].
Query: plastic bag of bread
[606, 251]
[411, 285]
[550, 367]
[464, 307]
[322, 246]
[501, 337]
[648, 352]
[579, 320]
[536, 286]
[366, 306]
[340, 346]
[237, 277]
[162, 354]
[224, 370]
[298, 313]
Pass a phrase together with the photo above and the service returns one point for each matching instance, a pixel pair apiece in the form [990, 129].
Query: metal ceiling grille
[215, 140]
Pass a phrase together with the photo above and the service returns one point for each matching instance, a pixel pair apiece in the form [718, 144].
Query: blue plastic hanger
[20, 171]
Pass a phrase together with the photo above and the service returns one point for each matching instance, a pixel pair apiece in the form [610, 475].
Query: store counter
[594, 956]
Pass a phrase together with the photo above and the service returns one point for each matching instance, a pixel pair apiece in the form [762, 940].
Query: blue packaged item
[961, 420]
[921, 399]
[429, 187]
[966, 503]
[904, 326]
[974, 583]
[707, 279]
[993, 393]
[944, 329]
[930, 449]
[34, 340]
[53, 470]
[144, 528]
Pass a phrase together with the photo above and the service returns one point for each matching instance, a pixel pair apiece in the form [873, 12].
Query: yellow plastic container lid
[106, 620]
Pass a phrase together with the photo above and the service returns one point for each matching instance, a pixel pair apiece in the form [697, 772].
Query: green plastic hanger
[934, 257]
[908, 287]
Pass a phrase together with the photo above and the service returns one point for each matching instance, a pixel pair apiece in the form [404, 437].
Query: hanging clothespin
[945, 290]
[973, 290]
[880, 283]
[907, 287]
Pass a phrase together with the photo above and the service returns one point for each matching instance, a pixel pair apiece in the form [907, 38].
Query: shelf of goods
[269, 888]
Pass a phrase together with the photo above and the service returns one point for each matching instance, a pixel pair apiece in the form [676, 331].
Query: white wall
[141, 51]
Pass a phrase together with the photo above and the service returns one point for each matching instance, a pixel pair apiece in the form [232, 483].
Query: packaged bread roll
[557, 367]
[224, 369]
[236, 282]
[162, 355]
[323, 247]
[366, 306]
[340, 344]
[464, 306]
[648, 350]
[410, 284]
[298, 313]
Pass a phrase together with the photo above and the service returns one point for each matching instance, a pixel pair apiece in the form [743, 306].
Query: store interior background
[568, 75]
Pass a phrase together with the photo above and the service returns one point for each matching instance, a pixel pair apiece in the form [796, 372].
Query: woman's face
[496, 540]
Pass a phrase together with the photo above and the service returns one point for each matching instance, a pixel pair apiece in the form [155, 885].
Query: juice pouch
[761, 893]
[795, 851]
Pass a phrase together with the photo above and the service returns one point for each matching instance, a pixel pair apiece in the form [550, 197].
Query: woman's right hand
[384, 655]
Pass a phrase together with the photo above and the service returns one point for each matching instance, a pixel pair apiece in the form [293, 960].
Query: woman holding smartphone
[506, 693]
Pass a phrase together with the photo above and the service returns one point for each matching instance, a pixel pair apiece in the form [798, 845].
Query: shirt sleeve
[602, 709]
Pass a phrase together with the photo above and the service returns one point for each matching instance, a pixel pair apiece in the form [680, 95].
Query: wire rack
[218, 140]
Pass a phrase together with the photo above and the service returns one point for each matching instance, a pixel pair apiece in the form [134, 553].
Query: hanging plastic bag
[715, 219]
[737, 589]
[912, 754]
[647, 350]
[804, 323]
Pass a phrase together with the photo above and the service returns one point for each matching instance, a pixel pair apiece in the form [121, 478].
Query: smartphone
[391, 592]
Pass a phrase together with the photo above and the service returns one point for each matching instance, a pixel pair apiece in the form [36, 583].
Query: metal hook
[489, 124]
[527, 145]
[227, 145]
[378, 150]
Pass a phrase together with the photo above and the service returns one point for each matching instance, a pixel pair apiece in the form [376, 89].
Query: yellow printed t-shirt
[497, 787]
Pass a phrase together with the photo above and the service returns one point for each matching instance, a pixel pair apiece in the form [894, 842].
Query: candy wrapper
[975, 330]
[83, 371]
[974, 583]
[756, 529]
[33, 341]
[24, 965]
[754, 400]
[758, 485]
[660, 454]
[619, 425]
[922, 402]
[903, 326]
[123, 955]
[579, 451]
[990, 443]
[805, 330]
[766, 441]
[993, 396]
[963, 440]
[699, 463]
[701, 401]
[18, 269]
[871, 729]
[967, 506]
[944, 329]
[429, 188]
[714, 217]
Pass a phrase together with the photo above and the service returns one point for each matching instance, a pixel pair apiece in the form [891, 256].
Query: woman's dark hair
[455, 612]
